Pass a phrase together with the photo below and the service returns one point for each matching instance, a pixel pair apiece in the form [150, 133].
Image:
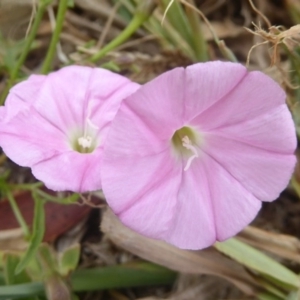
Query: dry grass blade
[259, 13]
[276, 36]
[12, 240]
[208, 261]
[282, 245]
[190, 286]
[100, 9]
[15, 17]
[224, 29]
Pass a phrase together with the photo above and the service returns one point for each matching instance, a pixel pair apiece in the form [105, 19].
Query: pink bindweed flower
[192, 154]
[57, 124]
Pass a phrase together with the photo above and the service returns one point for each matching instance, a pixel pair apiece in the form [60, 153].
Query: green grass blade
[179, 21]
[267, 296]
[2, 279]
[133, 275]
[136, 274]
[10, 261]
[18, 291]
[258, 261]
[37, 235]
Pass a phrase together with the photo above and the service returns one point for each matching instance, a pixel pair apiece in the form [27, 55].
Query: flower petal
[105, 106]
[208, 83]
[76, 172]
[27, 90]
[261, 172]
[138, 175]
[21, 96]
[159, 108]
[274, 131]
[235, 169]
[234, 207]
[146, 197]
[193, 223]
[191, 210]
[212, 205]
[44, 116]
[29, 138]
[255, 95]
[130, 136]
[69, 94]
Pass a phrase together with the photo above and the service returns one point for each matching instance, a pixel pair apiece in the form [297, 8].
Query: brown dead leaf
[207, 261]
[59, 218]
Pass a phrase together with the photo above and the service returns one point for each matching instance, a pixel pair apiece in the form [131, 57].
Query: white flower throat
[184, 141]
[86, 142]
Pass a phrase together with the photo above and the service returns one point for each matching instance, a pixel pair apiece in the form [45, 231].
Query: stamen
[85, 141]
[186, 142]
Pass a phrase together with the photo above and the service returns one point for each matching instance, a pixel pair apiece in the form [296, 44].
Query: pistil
[186, 142]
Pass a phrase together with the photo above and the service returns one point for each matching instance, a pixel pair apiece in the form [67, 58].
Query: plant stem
[35, 26]
[18, 214]
[26, 186]
[141, 15]
[62, 8]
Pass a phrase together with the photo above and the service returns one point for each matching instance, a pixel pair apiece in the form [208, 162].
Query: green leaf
[258, 261]
[71, 3]
[69, 259]
[75, 297]
[38, 231]
[10, 262]
[294, 295]
[135, 274]
[268, 296]
[47, 260]
[2, 279]
[54, 283]
[177, 17]
[18, 291]
[127, 275]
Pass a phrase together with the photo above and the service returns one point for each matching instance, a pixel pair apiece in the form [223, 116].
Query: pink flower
[192, 154]
[57, 124]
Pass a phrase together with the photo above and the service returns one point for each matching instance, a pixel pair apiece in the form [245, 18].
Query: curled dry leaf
[207, 261]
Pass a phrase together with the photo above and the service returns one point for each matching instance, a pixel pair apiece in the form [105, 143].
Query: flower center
[184, 141]
[87, 141]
